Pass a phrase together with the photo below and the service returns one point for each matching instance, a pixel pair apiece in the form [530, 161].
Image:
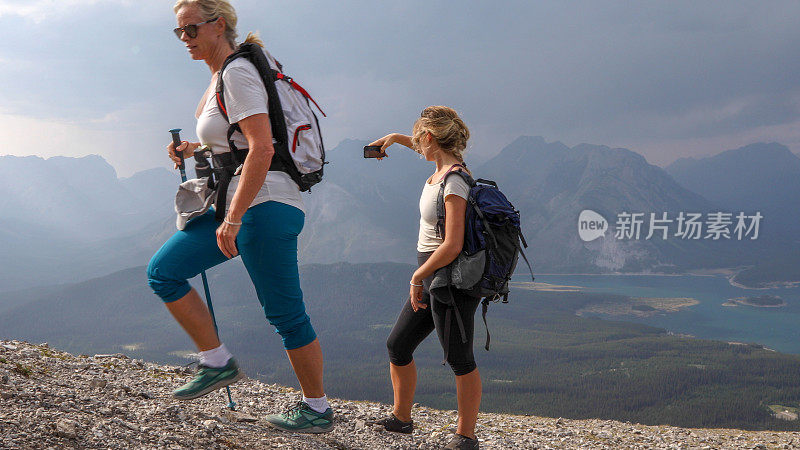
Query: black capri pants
[412, 328]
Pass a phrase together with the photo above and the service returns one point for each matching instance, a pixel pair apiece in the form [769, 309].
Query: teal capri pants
[267, 243]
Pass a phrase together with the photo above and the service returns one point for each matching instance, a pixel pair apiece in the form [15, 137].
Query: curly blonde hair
[211, 9]
[446, 127]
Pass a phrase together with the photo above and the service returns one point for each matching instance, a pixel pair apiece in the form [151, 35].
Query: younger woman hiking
[264, 215]
[441, 137]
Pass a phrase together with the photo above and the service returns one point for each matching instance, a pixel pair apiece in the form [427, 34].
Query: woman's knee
[296, 335]
[399, 354]
[462, 366]
[169, 288]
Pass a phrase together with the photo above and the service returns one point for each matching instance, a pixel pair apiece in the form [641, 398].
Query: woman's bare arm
[455, 215]
[256, 129]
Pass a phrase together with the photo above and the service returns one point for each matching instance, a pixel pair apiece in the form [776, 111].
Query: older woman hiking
[440, 136]
[263, 219]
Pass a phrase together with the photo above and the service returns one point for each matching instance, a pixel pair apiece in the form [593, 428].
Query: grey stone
[146, 394]
[238, 416]
[67, 428]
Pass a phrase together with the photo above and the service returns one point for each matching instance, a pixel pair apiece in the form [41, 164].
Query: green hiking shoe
[209, 379]
[300, 418]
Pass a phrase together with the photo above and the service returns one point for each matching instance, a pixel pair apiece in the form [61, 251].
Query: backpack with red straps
[295, 129]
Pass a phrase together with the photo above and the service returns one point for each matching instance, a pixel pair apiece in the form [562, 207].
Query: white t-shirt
[427, 241]
[245, 95]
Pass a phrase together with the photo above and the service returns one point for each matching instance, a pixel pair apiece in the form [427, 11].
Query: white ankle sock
[216, 357]
[319, 405]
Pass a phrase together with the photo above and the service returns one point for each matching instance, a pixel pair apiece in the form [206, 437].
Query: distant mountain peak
[524, 139]
[759, 156]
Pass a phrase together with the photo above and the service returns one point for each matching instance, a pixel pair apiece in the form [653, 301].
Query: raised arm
[394, 138]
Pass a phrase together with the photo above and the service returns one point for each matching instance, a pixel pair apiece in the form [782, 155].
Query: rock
[238, 416]
[146, 394]
[67, 428]
[210, 425]
[98, 383]
[176, 412]
[5, 395]
[3, 377]
[125, 424]
[107, 356]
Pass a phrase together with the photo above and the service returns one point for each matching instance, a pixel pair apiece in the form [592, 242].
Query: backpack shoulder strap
[220, 88]
[440, 197]
[268, 75]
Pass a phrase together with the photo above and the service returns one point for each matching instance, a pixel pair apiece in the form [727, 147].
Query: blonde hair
[446, 127]
[210, 9]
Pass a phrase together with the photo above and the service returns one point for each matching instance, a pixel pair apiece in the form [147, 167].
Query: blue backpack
[493, 242]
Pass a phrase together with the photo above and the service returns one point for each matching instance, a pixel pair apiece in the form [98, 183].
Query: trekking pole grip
[176, 142]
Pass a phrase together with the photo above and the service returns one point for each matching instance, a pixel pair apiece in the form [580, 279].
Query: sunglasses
[191, 29]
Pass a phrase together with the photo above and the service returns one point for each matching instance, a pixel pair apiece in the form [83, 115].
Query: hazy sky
[666, 79]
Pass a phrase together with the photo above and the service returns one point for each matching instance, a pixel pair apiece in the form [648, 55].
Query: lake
[775, 328]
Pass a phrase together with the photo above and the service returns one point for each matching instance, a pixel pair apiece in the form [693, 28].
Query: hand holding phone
[374, 151]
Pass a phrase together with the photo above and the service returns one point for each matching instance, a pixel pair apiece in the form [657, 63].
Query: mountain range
[761, 177]
[67, 219]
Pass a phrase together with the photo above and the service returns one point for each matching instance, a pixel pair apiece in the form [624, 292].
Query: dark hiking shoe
[209, 379]
[461, 442]
[300, 418]
[392, 423]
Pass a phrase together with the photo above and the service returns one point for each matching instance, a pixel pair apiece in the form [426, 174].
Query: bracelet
[415, 285]
[236, 224]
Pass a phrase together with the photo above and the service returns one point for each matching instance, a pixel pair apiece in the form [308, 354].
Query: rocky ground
[52, 399]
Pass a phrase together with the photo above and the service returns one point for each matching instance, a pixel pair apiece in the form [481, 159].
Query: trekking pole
[176, 142]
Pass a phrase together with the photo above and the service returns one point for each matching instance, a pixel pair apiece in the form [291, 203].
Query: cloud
[41, 10]
[669, 73]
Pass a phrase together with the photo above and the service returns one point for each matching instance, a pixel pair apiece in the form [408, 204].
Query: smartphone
[373, 151]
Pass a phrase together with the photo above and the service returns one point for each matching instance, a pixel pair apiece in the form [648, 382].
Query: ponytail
[254, 38]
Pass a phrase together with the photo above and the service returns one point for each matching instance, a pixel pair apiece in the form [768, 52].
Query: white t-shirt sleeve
[455, 185]
[245, 94]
